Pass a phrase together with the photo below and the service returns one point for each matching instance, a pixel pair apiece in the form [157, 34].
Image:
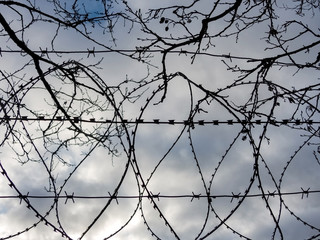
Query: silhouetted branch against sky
[159, 119]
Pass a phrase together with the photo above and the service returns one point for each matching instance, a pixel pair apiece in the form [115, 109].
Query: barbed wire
[158, 196]
[92, 52]
[52, 144]
[158, 121]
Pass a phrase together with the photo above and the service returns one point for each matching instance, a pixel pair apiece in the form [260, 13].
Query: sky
[175, 163]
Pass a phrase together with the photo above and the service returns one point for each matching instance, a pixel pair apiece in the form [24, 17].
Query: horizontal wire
[158, 196]
[78, 51]
[158, 121]
[92, 52]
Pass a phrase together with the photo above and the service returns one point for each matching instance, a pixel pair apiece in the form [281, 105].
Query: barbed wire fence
[123, 125]
[75, 110]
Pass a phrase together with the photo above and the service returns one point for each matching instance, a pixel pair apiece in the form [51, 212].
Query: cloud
[205, 158]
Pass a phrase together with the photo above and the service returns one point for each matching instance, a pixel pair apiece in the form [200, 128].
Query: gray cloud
[178, 172]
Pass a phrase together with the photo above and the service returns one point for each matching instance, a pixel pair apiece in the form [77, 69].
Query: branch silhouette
[146, 109]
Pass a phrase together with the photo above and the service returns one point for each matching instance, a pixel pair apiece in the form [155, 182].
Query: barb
[68, 197]
[305, 192]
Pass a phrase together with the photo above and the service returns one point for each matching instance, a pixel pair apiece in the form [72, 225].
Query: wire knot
[235, 196]
[195, 196]
[305, 192]
[69, 197]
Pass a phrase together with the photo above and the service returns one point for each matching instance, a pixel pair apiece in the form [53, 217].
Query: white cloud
[177, 173]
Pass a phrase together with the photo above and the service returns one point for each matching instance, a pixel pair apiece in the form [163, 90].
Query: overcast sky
[173, 159]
